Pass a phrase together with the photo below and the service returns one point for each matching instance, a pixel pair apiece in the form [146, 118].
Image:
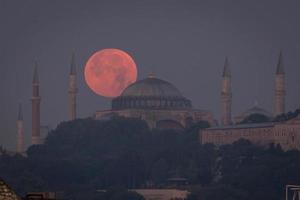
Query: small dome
[253, 110]
[151, 93]
[151, 86]
[257, 110]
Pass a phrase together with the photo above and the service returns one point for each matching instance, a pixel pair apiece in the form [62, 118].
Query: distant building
[162, 106]
[162, 194]
[254, 110]
[287, 134]
[44, 196]
[6, 193]
[158, 102]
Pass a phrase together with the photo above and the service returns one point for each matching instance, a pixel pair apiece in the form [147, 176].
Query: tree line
[85, 155]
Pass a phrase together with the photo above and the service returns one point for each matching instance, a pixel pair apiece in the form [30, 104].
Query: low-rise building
[162, 194]
[287, 134]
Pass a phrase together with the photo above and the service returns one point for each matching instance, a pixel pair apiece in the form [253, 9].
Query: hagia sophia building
[163, 106]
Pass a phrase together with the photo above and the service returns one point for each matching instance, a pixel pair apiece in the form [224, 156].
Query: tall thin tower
[35, 100]
[226, 95]
[20, 131]
[72, 89]
[279, 87]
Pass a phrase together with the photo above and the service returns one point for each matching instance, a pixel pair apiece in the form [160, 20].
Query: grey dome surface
[151, 87]
[250, 111]
[256, 110]
[151, 93]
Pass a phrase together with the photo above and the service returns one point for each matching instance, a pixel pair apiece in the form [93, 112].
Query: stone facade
[286, 134]
[154, 117]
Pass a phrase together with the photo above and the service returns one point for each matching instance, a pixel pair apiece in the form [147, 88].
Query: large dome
[151, 93]
[151, 87]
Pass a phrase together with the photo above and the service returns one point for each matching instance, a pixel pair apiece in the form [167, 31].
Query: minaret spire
[20, 131]
[72, 89]
[20, 112]
[280, 87]
[226, 95]
[280, 69]
[226, 70]
[35, 101]
[73, 66]
[35, 74]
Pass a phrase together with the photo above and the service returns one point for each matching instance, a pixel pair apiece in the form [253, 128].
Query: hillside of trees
[85, 155]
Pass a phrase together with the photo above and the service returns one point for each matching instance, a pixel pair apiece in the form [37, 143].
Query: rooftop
[244, 126]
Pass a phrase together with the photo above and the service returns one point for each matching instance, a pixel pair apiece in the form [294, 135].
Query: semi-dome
[151, 93]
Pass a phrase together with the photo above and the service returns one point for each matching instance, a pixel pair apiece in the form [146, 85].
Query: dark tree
[86, 156]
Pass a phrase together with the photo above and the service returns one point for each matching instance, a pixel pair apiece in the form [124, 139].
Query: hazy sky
[184, 42]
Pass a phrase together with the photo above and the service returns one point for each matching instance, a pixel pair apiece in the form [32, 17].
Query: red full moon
[109, 71]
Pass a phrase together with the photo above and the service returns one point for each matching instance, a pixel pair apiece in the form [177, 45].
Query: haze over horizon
[183, 42]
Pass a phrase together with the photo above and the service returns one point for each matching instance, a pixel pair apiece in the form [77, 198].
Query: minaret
[72, 89]
[279, 87]
[20, 131]
[36, 99]
[226, 95]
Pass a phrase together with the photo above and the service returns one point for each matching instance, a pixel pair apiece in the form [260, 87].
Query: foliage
[85, 155]
[287, 116]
